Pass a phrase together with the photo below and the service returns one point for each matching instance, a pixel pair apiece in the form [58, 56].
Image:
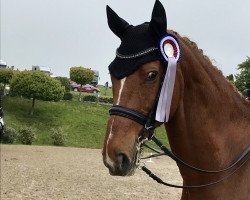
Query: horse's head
[136, 75]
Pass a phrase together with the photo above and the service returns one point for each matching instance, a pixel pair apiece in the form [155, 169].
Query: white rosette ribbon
[170, 51]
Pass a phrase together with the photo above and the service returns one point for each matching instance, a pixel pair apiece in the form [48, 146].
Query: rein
[178, 160]
[156, 178]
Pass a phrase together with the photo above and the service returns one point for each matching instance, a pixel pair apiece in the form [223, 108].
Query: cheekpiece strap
[170, 52]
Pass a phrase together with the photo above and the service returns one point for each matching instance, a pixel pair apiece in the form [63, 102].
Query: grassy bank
[83, 123]
[106, 92]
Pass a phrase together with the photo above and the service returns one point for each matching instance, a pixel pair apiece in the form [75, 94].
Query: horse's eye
[151, 76]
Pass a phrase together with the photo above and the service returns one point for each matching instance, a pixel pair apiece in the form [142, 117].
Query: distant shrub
[6, 75]
[12, 93]
[91, 98]
[57, 137]
[26, 135]
[106, 100]
[64, 82]
[8, 135]
[68, 96]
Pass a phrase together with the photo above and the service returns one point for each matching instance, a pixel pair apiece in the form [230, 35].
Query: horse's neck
[211, 121]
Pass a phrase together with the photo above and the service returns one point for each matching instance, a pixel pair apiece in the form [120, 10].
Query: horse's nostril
[123, 162]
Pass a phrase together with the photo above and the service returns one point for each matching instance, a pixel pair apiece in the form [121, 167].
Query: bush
[94, 98]
[6, 75]
[106, 100]
[57, 137]
[36, 85]
[64, 82]
[26, 135]
[68, 96]
[91, 98]
[8, 135]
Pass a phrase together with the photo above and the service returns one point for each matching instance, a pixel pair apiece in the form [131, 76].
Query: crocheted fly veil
[139, 44]
[145, 43]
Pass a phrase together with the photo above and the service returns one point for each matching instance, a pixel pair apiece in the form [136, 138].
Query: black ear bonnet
[139, 44]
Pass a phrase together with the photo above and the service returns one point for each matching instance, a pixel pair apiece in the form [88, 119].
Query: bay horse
[209, 121]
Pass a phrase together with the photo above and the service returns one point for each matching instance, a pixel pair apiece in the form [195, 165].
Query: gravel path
[39, 172]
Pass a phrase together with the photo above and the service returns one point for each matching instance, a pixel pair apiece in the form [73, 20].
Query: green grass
[83, 123]
[106, 92]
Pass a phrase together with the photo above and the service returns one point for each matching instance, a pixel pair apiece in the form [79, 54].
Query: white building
[3, 65]
[45, 70]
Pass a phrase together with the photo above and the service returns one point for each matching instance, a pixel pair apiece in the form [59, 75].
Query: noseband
[128, 113]
[148, 122]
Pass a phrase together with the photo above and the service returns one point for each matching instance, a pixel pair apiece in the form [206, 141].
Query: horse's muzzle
[122, 167]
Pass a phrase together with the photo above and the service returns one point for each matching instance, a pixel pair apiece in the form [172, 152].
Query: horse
[208, 124]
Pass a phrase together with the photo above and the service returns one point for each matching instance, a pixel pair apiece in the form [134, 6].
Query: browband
[136, 55]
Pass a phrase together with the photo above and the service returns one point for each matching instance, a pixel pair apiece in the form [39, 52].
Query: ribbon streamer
[164, 103]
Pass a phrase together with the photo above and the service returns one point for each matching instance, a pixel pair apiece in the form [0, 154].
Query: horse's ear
[158, 23]
[117, 25]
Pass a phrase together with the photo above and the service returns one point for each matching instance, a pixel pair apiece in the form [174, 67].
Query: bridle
[154, 38]
[150, 124]
[147, 133]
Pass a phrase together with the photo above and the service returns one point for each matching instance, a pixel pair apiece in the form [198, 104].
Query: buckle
[150, 130]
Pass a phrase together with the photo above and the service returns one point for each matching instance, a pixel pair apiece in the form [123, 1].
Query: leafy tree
[5, 77]
[81, 76]
[230, 78]
[242, 80]
[246, 93]
[64, 82]
[36, 85]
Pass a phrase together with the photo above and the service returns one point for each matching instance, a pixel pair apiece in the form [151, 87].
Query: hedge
[93, 98]
[106, 100]
[68, 96]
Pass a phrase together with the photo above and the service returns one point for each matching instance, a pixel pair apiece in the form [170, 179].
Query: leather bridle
[147, 133]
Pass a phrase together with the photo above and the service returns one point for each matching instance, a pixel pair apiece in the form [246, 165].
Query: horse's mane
[199, 52]
[205, 60]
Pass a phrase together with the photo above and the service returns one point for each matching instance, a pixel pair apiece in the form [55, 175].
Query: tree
[65, 82]
[242, 80]
[5, 77]
[81, 76]
[230, 78]
[36, 85]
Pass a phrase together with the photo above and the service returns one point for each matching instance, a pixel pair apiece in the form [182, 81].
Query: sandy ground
[35, 172]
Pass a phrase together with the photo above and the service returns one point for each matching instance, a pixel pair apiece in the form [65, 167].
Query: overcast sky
[64, 33]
